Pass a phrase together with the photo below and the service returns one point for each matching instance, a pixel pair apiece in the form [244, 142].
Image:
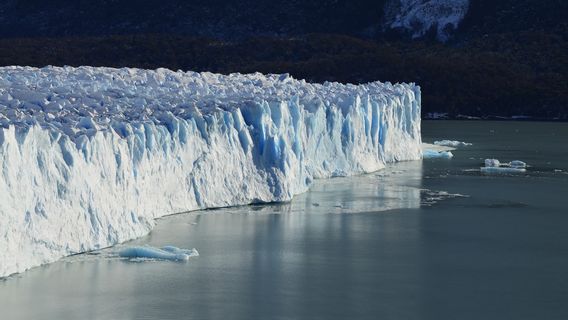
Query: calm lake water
[418, 240]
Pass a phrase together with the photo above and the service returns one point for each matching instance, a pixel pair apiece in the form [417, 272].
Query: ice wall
[91, 156]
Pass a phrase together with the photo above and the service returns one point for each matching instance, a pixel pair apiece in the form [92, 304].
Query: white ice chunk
[492, 163]
[434, 154]
[165, 253]
[452, 143]
[190, 252]
[494, 166]
[517, 164]
[502, 170]
[91, 156]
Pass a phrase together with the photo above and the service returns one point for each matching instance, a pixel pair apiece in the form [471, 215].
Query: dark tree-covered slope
[508, 57]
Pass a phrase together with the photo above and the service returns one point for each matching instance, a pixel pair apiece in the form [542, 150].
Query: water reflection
[396, 187]
[255, 260]
[334, 253]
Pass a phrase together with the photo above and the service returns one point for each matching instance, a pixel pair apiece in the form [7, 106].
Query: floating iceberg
[433, 151]
[452, 143]
[165, 253]
[517, 164]
[91, 156]
[502, 170]
[434, 154]
[492, 163]
[494, 166]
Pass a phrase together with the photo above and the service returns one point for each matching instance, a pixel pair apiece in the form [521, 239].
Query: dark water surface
[418, 240]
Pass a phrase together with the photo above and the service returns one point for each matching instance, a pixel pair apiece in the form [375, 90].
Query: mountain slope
[240, 19]
[506, 57]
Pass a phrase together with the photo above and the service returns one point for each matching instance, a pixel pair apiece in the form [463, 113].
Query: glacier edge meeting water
[91, 156]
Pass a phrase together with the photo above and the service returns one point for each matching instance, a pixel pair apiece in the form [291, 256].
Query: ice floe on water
[452, 143]
[170, 253]
[517, 164]
[433, 154]
[502, 170]
[494, 166]
[432, 151]
[431, 197]
[492, 163]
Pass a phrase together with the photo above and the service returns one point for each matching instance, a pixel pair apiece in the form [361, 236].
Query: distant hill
[244, 18]
[474, 57]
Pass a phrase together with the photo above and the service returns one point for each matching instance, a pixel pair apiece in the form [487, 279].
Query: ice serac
[91, 156]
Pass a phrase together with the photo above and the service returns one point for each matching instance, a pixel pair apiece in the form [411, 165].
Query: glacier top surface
[88, 99]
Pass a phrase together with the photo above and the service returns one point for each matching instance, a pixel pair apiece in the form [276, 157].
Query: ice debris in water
[452, 143]
[432, 151]
[492, 163]
[164, 253]
[434, 154]
[495, 166]
[430, 197]
[91, 156]
[517, 164]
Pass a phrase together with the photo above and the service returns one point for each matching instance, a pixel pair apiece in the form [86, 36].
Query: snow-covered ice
[494, 166]
[91, 156]
[452, 143]
[434, 151]
[492, 163]
[431, 197]
[502, 170]
[434, 154]
[517, 164]
[164, 253]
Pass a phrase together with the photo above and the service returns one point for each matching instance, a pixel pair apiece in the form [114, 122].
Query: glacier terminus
[91, 156]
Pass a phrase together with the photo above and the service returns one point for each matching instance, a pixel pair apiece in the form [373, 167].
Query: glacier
[91, 156]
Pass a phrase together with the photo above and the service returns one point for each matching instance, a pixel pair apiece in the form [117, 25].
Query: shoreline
[498, 120]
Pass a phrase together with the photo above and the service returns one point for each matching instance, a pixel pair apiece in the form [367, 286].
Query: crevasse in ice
[91, 156]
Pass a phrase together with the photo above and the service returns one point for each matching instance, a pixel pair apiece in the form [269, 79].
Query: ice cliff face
[420, 16]
[90, 156]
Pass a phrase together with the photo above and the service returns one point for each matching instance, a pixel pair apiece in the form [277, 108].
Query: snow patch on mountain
[420, 16]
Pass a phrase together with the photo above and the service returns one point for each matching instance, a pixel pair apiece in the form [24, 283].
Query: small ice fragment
[518, 164]
[494, 166]
[492, 163]
[190, 252]
[166, 253]
[432, 154]
[502, 170]
[452, 143]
